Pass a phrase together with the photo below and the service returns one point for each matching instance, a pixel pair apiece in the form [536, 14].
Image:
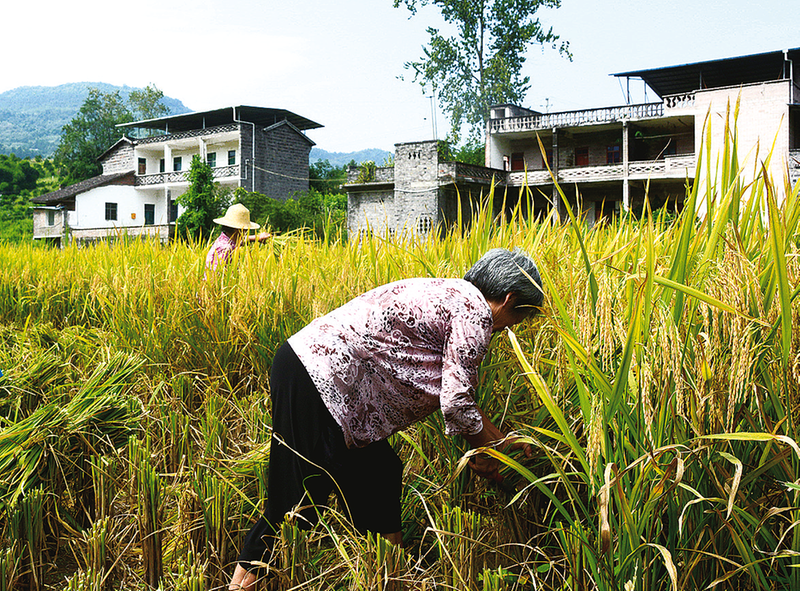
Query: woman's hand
[485, 466]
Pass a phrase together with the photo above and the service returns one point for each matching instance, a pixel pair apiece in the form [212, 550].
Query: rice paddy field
[659, 389]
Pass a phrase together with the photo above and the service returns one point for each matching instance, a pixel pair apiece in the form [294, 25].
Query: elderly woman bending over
[376, 365]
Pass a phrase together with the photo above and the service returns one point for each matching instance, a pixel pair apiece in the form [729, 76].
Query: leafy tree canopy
[327, 178]
[482, 64]
[471, 152]
[323, 213]
[16, 176]
[147, 103]
[203, 201]
[93, 130]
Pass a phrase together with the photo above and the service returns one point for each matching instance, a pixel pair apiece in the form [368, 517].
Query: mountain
[31, 117]
[342, 158]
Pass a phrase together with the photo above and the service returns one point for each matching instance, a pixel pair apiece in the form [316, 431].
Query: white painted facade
[144, 176]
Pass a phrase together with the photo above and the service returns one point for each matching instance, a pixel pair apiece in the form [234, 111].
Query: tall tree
[147, 103]
[482, 64]
[203, 201]
[90, 133]
[94, 129]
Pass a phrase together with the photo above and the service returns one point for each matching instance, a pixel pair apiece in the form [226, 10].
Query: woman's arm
[485, 465]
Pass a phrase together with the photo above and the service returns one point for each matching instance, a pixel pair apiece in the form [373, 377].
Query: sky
[340, 62]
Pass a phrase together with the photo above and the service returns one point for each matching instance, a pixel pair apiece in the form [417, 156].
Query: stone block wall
[416, 187]
[282, 161]
[371, 212]
[120, 159]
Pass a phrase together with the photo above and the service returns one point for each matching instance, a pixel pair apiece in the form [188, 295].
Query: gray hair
[500, 272]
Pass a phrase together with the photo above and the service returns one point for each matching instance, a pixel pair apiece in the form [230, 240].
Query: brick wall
[282, 161]
[119, 160]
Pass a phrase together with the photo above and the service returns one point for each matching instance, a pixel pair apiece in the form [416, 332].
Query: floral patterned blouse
[396, 354]
[220, 252]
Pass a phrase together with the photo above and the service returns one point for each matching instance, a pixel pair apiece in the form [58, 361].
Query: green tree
[203, 201]
[147, 103]
[90, 133]
[472, 152]
[324, 177]
[94, 129]
[17, 176]
[323, 213]
[481, 65]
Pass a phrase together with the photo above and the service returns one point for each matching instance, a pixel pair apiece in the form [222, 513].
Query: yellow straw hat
[237, 216]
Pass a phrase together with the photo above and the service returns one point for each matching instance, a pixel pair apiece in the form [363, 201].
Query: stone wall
[41, 229]
[371, 212]
[416, 187]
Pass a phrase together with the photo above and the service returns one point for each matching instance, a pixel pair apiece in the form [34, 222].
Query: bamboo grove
[659, 390]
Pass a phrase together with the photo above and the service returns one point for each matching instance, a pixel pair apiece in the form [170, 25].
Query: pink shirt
[396, 354]
[220, 252]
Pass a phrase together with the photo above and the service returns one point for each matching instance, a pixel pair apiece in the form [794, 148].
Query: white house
[259, 149]
[604, 159]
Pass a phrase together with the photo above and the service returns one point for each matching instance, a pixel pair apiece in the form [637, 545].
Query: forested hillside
[31, 117]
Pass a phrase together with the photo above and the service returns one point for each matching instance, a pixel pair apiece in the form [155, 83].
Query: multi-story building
[259, 149]
[607, 159]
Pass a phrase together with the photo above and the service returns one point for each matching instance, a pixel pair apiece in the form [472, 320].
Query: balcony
[672, 167]
[576, 118]
[170, 178]
[182, 135]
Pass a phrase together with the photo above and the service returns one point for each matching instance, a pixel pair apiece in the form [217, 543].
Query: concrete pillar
[559, 207]
[626, 187]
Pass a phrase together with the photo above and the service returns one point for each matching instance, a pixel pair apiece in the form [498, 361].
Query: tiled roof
[71, 191]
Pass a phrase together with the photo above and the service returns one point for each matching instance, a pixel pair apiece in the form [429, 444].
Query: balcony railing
[187, 134]
[679, 101]
[794, 165]
[671, 167]
[164, 178]
[462, 172]
[576, 118]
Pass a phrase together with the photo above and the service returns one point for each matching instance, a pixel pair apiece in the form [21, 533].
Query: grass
[659, 389]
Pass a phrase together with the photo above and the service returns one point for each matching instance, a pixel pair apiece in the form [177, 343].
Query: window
[176, 163]
[51, 217]
[149, 214]
[231, 157]
[111, 212]
[613, 155]
[424, 225]
[549, 155]
[581, 156]
[518, 161]
[161, 165]
[211, 159]
[142, 166]
[173, 211]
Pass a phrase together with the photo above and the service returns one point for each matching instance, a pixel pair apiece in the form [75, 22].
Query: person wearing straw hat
[236, 225]
[378, 364]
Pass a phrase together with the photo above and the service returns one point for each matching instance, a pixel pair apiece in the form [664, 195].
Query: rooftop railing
[181, 135]
[576, 118]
